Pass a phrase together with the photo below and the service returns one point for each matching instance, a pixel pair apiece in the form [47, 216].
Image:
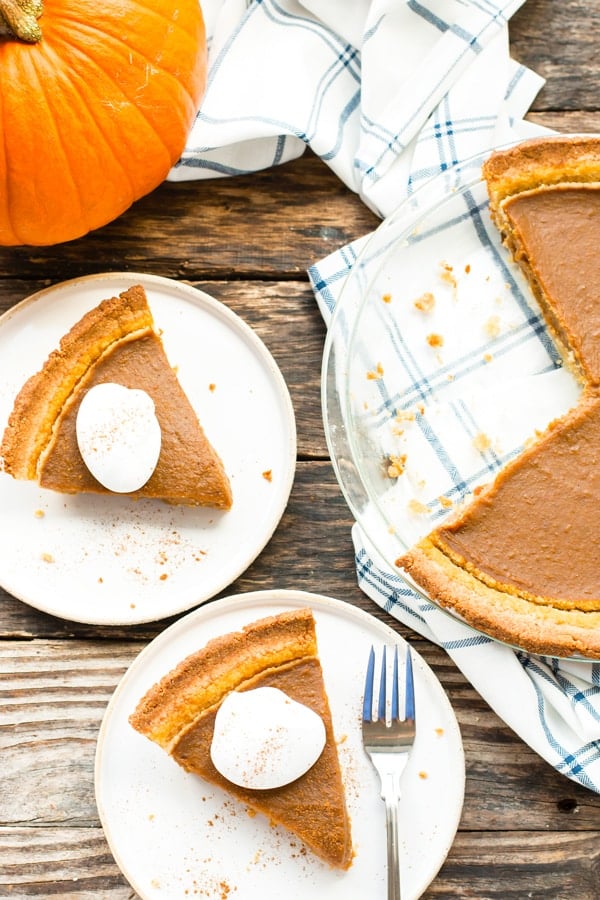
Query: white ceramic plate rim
[165, 650]
[65, 603]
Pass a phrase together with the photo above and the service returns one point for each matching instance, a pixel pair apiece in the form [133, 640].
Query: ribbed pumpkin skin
[94, 115]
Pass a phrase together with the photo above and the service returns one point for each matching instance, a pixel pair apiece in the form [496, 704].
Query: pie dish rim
[386, 540]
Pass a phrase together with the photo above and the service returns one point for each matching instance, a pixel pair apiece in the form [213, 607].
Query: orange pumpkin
[97, 98]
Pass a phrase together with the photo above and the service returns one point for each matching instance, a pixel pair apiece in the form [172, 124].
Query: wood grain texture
[75, 863]
[526, 831]
[310, 550]
[523, 826]
[285, 317]
[277, 221]
[56, 693]
[560, 42]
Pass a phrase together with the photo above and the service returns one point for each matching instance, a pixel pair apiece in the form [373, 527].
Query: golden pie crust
[519, 561]
[178, 713]
[115, 341]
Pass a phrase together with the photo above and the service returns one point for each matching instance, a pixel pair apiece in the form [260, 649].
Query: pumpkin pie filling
[519, 560]
[555, 235]
[521, 534]
[114, 342]
[280, 651]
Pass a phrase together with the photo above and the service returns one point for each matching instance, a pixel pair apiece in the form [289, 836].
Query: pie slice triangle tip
[178, 713]
[114, 342]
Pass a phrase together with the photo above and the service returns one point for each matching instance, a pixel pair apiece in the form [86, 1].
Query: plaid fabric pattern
[553, 705]
[355, 82]
[390, 93]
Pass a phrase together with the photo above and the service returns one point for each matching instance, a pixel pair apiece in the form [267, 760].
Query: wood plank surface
[559, 41]
[55, 694]
[525, 831]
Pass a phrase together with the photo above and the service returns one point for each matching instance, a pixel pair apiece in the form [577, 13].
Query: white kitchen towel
[356, 80]
[389, 93]
[552, 704]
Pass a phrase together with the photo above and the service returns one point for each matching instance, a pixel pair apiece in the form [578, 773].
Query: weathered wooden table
[525, 830]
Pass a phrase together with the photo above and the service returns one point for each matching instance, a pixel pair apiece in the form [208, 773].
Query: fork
[387, 740]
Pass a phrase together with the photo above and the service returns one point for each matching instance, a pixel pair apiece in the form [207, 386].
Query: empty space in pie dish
[438, 367]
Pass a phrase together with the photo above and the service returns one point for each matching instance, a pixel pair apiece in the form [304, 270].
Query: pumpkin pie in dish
[519, 560]
[179, 712]
[114, 343]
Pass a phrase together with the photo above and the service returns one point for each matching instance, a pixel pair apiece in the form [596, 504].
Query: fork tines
[409, 690]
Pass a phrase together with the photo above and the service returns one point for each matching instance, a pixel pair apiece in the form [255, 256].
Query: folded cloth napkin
[356, 80]
[389, 94]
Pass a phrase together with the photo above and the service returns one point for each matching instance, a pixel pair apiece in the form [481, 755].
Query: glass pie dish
[438, 367]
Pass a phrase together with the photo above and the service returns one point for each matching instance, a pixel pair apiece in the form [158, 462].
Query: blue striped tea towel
[390, 93]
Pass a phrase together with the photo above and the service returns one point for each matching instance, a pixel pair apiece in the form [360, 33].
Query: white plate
[110, 560]
[174, 836]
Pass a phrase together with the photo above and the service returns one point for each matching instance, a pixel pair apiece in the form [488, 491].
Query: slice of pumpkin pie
[113, 344]
[278, 653]
[519, 561]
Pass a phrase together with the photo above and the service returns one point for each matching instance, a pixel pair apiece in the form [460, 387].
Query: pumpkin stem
[18, 18]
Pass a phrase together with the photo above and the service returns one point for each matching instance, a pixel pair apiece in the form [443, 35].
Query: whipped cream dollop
[263, 739]
[118, 436]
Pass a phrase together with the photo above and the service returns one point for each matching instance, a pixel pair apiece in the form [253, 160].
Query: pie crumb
[492, 327]
[376, 373]
[481, 442]
[396, 465]
[446, 274]
[425, 302]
